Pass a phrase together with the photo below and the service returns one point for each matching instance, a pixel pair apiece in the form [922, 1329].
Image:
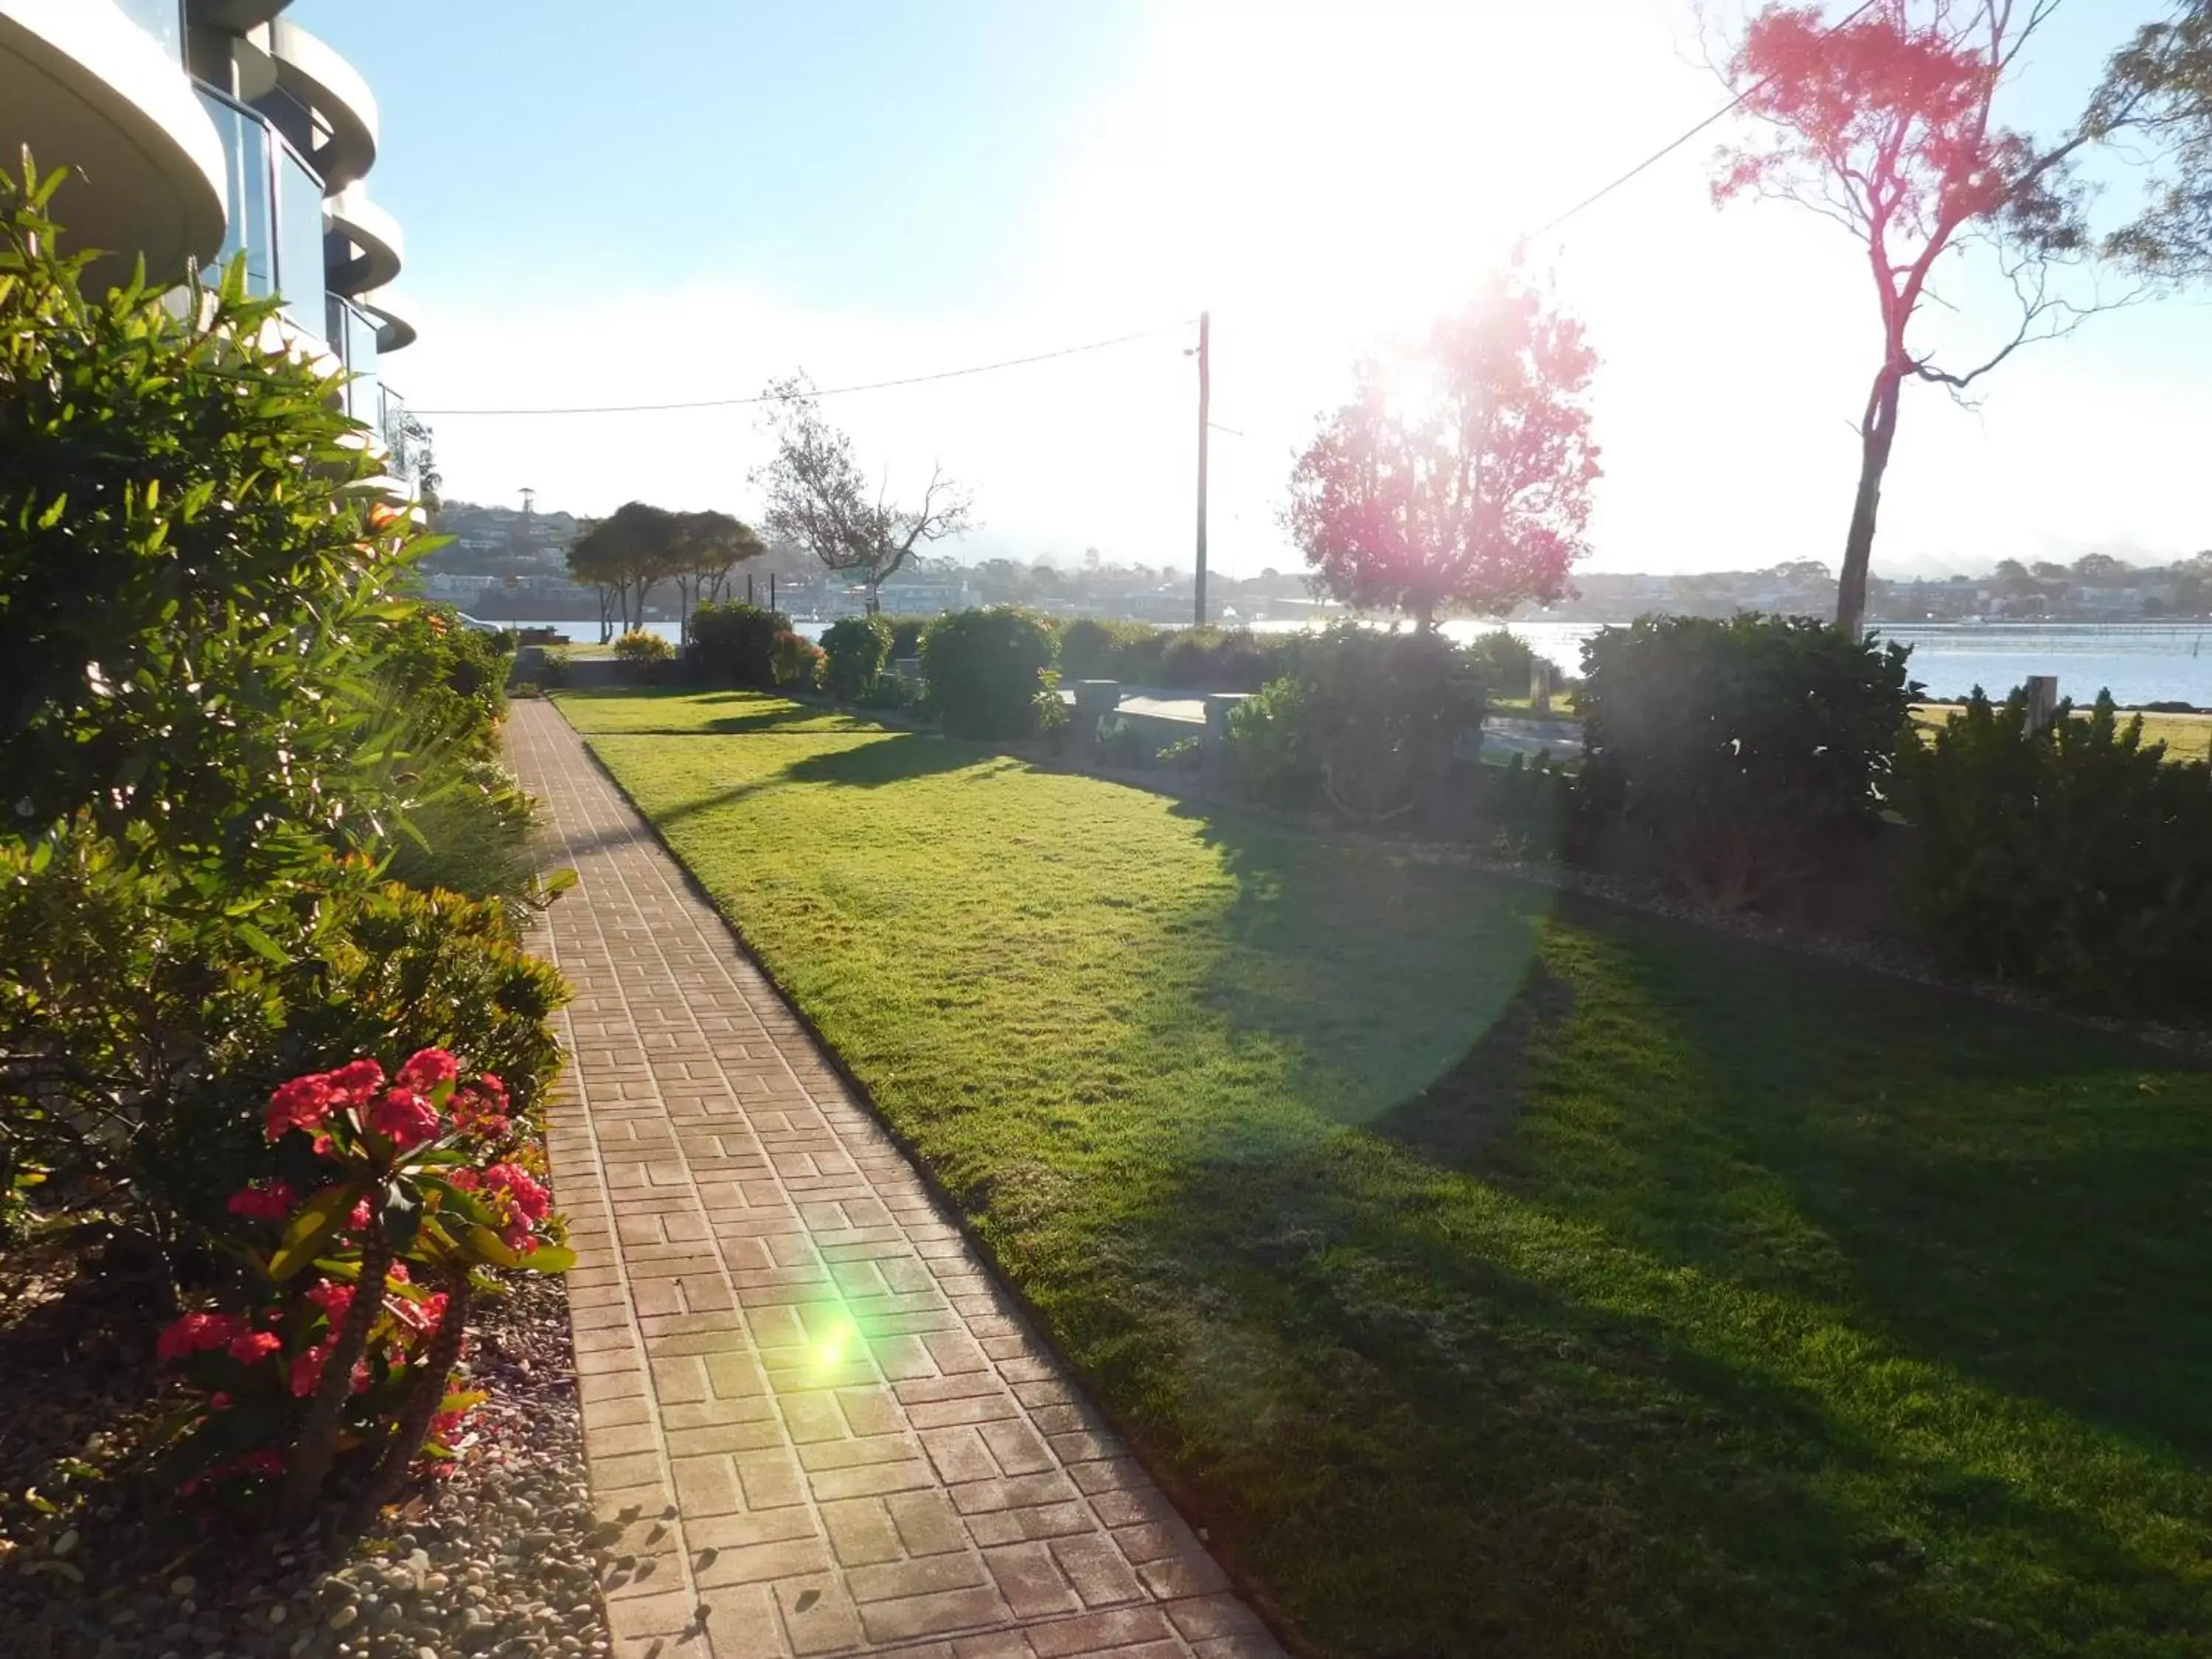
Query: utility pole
[1204, 421]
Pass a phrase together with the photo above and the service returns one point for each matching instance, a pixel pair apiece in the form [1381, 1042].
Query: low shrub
[145, 1098]
[796, 661]
[553, 669]
[1523, 809]
[2078, 857]
[1122, 743]
[469, 828]
[858, 647]
[1366, 724]
[1053, 717]
[1752, 752]
[1216, 659]
[450, 678]
[735, 644]
[641, 646]
[1092, 649]
[906, 635]
[985, 668]
[1503, 660]
[1184, 754]
[528, 690]
[414, 1184]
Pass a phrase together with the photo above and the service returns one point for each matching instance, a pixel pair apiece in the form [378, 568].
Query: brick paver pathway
[826, 1430]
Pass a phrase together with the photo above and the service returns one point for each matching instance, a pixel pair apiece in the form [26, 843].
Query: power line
[1661, 154]
[1526, 237]
[826, 392]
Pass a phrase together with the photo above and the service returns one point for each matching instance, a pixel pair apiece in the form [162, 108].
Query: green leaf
[261, 945]
[52, 515]
[319, 1218]
[493, 1248]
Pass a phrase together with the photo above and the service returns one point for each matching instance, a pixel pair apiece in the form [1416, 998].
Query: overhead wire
[828, 391]
[1521, 241]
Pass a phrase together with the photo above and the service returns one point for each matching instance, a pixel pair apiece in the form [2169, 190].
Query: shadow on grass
[1703, 1298]
[898, 757]
[1430, 1451]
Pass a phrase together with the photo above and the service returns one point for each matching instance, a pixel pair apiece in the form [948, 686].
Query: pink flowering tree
[426, 1197]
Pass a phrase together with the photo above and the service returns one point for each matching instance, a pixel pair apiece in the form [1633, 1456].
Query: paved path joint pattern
[821, 1426]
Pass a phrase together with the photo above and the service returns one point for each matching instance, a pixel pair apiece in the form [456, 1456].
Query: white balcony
[88, 87]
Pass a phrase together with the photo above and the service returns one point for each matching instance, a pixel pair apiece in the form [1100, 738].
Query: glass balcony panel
[162, 18]
[300, 241]
[253, 220]
[353, 337]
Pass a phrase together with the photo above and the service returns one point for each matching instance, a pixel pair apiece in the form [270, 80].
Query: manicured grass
[1499, 1274]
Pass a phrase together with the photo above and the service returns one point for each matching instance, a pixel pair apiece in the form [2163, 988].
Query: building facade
[203, 131]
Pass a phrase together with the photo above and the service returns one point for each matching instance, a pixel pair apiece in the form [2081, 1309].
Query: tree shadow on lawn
[1999, 1191]
[1431, 1441]
[897, 757]
[2007, 1208]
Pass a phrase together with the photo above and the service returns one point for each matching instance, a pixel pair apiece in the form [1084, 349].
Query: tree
[2160, 83]
[1884, 125]
[2047, 571]
[2101, 570]
[818, 498]
[625, 557]
[1457, 477]
[704, 548]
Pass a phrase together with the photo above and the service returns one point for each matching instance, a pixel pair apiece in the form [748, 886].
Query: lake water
[2140, 663]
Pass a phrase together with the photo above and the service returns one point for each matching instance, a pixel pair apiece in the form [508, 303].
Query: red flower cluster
[479, 1109]
[306, 1102]
[270, 1201]
[197, 1332]
[521, 1201]
[404, 1117]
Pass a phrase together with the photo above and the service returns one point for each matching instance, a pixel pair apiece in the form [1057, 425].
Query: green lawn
[1500, 1274]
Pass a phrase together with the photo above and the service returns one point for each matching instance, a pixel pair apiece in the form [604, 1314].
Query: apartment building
[201, 130]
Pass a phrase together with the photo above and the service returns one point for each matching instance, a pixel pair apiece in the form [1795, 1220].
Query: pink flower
[333, 1299]
[218, 1401]
[480, 1111]
[271, 1201]
[253, 1347]
[197, 1332]
[405, 1118]
[357, 1220]
[354, 1082]
[307, 1369]
[426, 1068]
[267, 1461]
[302, 1103]
[530, 1201]
[306, 1102]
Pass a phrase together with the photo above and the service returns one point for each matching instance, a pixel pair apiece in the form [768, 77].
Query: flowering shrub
[797, 661]
[423, 1191]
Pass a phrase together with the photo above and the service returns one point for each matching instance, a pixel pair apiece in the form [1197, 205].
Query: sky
[679, 201]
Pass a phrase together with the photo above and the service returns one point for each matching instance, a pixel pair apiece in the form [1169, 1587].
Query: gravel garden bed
[98, 1559]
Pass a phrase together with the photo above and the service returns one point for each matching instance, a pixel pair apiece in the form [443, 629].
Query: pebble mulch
[499, 1558]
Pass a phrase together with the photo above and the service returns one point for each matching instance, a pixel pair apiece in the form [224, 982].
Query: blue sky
[678, 200]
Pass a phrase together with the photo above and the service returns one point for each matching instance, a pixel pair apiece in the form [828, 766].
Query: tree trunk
[1876, 434]
[319, 1436]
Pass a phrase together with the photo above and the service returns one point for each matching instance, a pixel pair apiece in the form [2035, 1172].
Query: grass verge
[1499, 1273]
